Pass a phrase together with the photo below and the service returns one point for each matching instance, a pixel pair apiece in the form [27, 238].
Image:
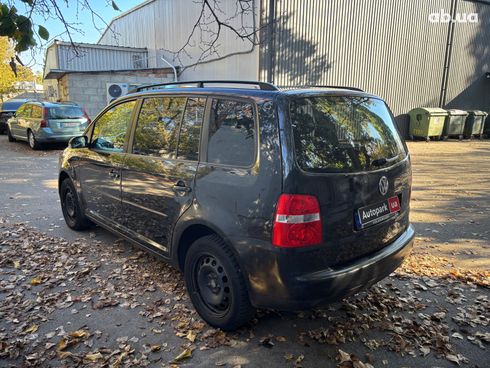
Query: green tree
[8, 77]
[21, 29]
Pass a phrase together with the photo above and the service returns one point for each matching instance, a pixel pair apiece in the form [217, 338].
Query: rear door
[100, 165]
[34, 122]
[18, 125]
[157, 180]
[349, 155]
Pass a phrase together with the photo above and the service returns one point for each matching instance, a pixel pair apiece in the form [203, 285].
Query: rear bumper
[277, 287]
[45, 136]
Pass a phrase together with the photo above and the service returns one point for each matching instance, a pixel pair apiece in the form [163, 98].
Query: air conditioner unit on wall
[116, 90]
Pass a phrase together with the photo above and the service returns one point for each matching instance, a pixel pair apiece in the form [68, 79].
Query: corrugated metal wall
[162, 25]
[97, 58]
[467, 85]
[387, 47]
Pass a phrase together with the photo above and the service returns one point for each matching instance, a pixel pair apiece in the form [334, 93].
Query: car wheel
[70, 206]
[10, 137]
[33, 143]
[216, 285]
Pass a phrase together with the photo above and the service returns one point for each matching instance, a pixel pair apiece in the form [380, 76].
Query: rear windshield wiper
[383, 161]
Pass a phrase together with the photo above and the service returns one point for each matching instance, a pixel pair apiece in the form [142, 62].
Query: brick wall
[90, 89]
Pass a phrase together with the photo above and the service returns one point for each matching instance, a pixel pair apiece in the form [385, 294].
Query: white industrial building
[163, 26]
[387, 47]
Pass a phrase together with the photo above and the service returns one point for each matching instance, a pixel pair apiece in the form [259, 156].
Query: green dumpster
[454, 124]
[427, 122]
[474, 124]
[486, 129]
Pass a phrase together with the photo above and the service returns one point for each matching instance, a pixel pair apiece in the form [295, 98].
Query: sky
[82, 17]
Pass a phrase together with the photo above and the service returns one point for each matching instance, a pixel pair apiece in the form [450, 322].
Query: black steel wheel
[216, 285]
[70, 206]
[213, 283]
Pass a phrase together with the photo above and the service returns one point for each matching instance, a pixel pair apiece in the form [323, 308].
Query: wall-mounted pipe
[176, 79]
[448, 55]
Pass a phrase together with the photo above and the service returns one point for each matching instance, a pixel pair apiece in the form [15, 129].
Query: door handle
[114, 173]
[181, 187]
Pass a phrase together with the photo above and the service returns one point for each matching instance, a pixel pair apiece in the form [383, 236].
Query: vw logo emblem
[383, 185]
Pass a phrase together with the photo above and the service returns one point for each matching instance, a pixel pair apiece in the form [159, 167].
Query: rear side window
[110, 129]
[66, 112]
[231, 139]
[344, 134]
[157, 127]
[37, 112]
[190, 130]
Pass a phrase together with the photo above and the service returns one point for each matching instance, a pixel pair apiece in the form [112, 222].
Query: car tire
[216, 284]
[70, 206]
[10, 137]
[31, 139]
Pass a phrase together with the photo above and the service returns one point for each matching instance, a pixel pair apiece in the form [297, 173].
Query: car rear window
[66, 112]
[344, 134]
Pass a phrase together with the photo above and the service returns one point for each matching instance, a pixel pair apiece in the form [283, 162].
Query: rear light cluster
[44, 122]
[297, 222]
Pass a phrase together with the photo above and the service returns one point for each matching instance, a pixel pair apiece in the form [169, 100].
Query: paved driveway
[87, 298]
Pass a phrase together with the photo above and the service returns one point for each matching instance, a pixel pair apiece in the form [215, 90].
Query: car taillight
[297, 222]
[44, 122]
[86, 116]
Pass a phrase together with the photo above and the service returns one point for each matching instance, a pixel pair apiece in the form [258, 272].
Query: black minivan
[284, 199]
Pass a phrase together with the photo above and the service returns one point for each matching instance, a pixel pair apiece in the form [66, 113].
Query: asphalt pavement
[135, 312]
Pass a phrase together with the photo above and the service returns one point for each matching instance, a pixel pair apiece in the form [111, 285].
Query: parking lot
[88, 298]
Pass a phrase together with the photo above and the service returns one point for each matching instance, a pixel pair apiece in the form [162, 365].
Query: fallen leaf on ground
[64, 354]
[191, 336]
[186, 354]
[452, 358]
[93, 356]
[343, 356]
[79, 334]
[154, 348]
[457, 335]
[32, 329]
[35, 281]
[425, 350]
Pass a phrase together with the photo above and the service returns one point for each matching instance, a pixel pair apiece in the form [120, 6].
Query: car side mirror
[78, 142]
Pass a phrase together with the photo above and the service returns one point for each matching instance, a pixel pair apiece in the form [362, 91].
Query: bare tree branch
[208, 30]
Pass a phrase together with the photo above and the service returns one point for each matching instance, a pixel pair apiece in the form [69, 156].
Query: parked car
[7, 110]
[46, 122]
[262, 197]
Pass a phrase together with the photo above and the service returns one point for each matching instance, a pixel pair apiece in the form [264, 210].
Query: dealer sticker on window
[373, 214]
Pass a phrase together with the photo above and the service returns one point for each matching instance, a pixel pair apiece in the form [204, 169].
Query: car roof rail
[325, 86]
[200, 84]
